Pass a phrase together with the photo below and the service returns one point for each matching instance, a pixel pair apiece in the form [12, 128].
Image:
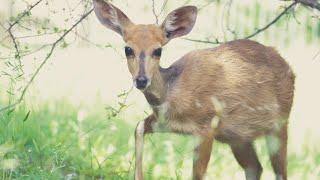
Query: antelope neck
[161, 83]
[156, 91]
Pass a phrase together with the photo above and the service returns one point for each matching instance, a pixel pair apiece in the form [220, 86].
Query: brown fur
[245, 87]
[247, 77]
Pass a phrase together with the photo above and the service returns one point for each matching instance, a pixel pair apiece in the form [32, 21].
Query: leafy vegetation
[58, 140]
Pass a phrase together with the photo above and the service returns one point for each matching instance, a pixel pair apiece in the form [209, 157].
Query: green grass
[58, 140]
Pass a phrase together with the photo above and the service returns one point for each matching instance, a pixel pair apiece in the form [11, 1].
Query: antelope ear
[110, 16]
[179, 22]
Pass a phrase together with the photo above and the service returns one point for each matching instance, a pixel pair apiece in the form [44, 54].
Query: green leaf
[64, 45]
[56, 29]
[26, 117]
[10, 111]
[122, 105]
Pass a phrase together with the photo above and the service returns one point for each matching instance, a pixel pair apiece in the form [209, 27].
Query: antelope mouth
[141, 83]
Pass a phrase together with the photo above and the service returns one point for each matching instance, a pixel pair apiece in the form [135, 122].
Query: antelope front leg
[202, 156]
[142, 128]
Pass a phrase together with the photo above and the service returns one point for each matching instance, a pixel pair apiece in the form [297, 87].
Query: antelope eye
[128, 51]
[157, 52]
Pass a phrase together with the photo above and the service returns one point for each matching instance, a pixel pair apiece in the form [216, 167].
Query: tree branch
[53, 46]
[17, 55]
[11, 25]
[154, 12]
[156, 15]
[272, 22]
[26, 12]
[258, 31]
[204, 41]
[310, 3]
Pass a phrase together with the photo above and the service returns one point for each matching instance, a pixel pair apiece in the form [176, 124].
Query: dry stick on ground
[254, 33]
[53, 46]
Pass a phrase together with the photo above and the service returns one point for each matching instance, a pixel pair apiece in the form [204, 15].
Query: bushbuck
[233, 93]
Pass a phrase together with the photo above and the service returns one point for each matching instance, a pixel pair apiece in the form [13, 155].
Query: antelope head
[144, 42]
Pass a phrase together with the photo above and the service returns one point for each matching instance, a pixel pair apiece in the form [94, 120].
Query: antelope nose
[141, 82]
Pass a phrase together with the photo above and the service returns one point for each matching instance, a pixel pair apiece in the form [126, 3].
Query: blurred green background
[78, 116]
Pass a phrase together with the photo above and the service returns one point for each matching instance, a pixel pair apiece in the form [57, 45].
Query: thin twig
[17, 55]
[272, 22]
[232, 31]
[205, 5]
[87, 40]
[226, 15]
[45, 61]
[163, 7]
[36, 35]
[156, 15]
[31, 36]
[204, 41]
[154, 12]
[258, 31]
[26, 12]
[11, 25]
[316, 55]
[26, 53]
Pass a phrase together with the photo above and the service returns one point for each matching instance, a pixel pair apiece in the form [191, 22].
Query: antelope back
[246, 85]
